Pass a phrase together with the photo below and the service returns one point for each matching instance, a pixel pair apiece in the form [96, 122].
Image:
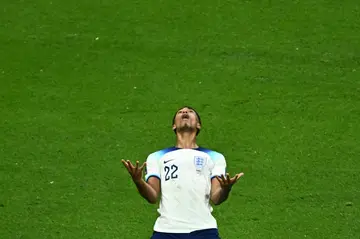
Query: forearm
[220, 195]
[146, 191]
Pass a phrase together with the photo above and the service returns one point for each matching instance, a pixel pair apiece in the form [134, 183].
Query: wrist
[138, 181]
[227, 188]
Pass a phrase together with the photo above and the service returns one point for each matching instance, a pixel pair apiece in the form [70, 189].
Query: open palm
[134, 171]
[227, 182]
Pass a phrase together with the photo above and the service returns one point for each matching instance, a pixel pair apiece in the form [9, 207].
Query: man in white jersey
[188, 178]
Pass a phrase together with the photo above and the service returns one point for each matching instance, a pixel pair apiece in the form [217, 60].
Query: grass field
[87, 83]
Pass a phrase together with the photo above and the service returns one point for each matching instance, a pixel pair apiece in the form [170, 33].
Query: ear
[174, 127]
[198, 126]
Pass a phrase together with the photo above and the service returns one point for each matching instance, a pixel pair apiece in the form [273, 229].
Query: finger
[240, 175]
[130, 164]
[219, 179]
[237, 176]
[142, 166]
[131, 168]
[223, 179]
[137, 165]
[228, 178]
[125, 164]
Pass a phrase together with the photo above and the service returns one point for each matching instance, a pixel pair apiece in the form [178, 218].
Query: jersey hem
[183, 231]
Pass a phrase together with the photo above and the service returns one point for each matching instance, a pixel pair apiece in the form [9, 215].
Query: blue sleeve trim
[152, 175]
[213, 154]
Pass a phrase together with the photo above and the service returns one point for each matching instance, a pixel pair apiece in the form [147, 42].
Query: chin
[187, 128]
[186, 125]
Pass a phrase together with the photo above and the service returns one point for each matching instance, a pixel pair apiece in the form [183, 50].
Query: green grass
[87, 83]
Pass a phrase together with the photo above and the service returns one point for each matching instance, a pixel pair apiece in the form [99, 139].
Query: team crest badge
[199, 163]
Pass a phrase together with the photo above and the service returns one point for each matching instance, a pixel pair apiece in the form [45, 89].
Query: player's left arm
[221, 187]
[221, 182]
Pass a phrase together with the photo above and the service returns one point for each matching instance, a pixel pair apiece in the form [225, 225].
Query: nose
[184, 111]
[184, 114]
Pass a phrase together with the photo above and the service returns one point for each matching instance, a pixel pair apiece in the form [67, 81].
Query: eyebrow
[188, 110]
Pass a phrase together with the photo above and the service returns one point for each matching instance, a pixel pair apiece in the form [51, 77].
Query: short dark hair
[191, 108]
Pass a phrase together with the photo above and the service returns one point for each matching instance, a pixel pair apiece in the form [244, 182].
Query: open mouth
[185, 117]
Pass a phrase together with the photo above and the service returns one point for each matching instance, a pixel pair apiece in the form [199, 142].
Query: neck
[186, 140]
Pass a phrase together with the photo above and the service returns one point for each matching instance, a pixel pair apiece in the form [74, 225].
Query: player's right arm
[150, 187]
[149, 190]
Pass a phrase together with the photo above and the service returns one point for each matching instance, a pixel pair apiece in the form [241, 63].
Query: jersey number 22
[170, 172]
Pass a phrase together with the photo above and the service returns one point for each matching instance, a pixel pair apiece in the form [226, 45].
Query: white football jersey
[185, 176]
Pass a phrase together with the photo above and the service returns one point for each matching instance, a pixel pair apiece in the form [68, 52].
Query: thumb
[239, 175]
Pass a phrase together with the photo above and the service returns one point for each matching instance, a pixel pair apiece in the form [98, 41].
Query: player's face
[186, 120]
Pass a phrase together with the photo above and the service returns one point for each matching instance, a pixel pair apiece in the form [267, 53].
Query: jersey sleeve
[152, 168]
[219, 165]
